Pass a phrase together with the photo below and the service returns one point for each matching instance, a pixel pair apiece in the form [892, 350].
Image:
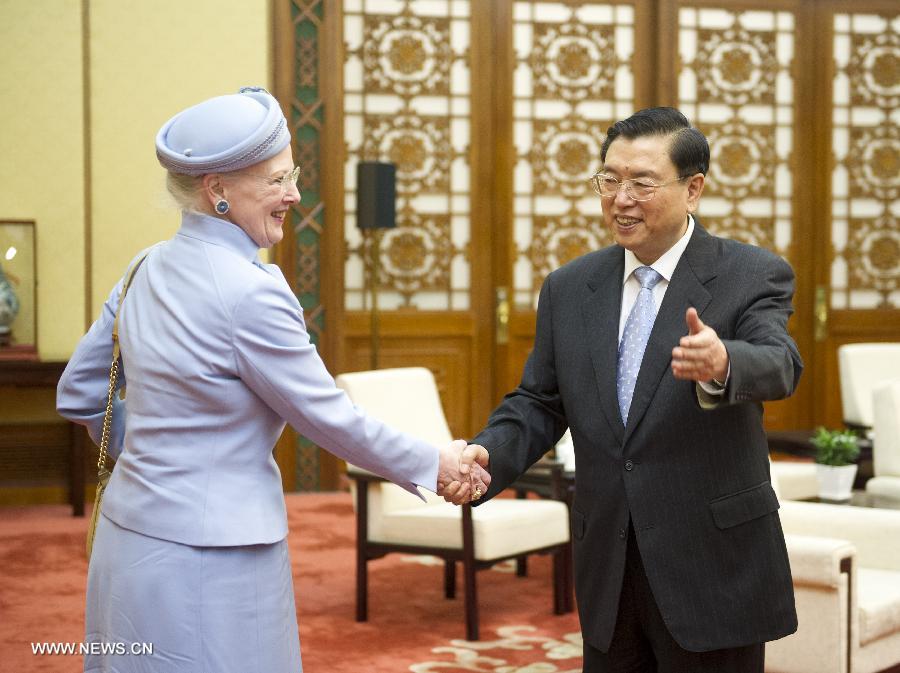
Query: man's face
[648, 228]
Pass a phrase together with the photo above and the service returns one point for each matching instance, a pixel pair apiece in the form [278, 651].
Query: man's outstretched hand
[462, 472]
[701, 355]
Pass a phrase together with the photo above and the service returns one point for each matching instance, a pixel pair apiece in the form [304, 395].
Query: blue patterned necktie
[634, 338]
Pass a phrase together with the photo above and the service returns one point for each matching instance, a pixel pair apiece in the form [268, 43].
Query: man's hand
[701, 355]
[462, 473]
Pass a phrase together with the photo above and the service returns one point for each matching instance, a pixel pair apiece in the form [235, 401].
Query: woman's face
[258, 201]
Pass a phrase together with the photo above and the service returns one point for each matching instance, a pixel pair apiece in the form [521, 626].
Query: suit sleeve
[83, 388]
[530, 419]
[275, 358]
[765, 362]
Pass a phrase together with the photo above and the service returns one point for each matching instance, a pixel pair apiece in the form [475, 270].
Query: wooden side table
[37, 374]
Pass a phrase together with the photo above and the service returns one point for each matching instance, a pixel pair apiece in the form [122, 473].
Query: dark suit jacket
[694, 482]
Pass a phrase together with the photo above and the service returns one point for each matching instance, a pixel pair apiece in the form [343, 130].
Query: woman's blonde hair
[186, 190]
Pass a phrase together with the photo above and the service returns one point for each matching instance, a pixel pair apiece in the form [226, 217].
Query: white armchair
[862, 367]
[845, 562]
[886, 441]
[390, 519]
[796, 480]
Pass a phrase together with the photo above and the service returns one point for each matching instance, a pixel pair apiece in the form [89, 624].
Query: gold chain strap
[103, 473]
[113, 375]
[107, 417]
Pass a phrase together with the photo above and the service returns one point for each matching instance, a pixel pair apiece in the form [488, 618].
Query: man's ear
[695, 189]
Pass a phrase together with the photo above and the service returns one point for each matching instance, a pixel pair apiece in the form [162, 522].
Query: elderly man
[658, 353]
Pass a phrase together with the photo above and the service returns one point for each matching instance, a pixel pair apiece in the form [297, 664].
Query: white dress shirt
[217, 357]
[665, 267]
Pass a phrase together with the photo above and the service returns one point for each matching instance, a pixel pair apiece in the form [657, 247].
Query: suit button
[629, 465]
[622, 534]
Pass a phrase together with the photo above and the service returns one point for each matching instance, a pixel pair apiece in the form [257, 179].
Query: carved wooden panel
[573, 77]
[736, 84]
[865, 226]
[407, 101]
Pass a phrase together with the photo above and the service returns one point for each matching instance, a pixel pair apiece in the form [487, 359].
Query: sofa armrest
[875, 533]
[819, 561]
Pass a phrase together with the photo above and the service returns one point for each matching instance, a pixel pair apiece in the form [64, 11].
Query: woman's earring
[222, 206]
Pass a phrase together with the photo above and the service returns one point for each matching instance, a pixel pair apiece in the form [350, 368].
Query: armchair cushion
[503, 527]
[794, 480]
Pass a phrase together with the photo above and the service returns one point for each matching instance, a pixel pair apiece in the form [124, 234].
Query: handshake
[462, 472]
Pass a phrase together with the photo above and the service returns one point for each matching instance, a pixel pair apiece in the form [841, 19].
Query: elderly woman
[190, 553]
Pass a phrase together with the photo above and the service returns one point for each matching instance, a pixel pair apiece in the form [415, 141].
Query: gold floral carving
[566, 153]
[874, 69]
[873, 255]
[571, 61]
[874, 162]
[742, 157]
[558, 240]
[418, 144]
[736, 66]
[407, 54]
[407, 251]
[416, 255]
[408, 152]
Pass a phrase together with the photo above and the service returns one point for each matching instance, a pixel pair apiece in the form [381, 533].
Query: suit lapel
[600, 311]
[695, 268]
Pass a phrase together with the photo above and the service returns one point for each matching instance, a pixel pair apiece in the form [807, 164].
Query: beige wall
[147, 60]
[41, 155]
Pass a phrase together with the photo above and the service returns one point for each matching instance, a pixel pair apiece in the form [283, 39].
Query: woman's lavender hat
[223, 134]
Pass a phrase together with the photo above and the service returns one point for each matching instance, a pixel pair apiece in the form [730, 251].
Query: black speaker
[376, 195]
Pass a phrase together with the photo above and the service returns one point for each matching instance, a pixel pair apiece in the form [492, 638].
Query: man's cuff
[716, 387]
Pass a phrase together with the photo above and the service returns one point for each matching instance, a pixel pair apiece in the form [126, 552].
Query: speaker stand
[374, 236]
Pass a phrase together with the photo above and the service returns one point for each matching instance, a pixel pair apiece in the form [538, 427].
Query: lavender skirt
[200, 609]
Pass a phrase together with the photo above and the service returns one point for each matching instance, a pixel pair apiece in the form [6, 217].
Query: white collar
[665, 265]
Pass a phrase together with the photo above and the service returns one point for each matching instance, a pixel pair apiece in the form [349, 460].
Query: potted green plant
[836, 453]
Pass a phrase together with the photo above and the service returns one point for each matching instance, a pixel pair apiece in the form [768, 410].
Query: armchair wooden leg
[76, 469]
[559, 597]
[362, 536]
[471, 600]
[469, 571]
[568, 577]
[521, 566]
[449, 578]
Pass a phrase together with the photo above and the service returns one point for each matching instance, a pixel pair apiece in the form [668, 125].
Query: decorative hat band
[223, 134]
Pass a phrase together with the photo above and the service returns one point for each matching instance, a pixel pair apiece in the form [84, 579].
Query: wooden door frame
[846, 325]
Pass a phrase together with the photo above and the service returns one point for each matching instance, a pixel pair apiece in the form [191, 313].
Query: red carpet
[411, 627]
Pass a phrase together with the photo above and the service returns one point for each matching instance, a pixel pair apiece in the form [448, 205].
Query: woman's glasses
[284, 182]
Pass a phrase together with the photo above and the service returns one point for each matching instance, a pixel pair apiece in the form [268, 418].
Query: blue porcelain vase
[9, 308]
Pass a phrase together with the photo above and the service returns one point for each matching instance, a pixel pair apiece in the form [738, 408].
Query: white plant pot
[835, 482]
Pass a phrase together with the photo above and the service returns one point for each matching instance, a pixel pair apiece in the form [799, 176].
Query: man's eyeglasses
[637, 189]
[284, 182]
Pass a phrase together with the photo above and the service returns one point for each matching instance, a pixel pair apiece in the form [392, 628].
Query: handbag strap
[114, 374]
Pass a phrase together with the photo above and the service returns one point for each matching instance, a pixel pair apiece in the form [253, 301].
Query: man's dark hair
[689, 150]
